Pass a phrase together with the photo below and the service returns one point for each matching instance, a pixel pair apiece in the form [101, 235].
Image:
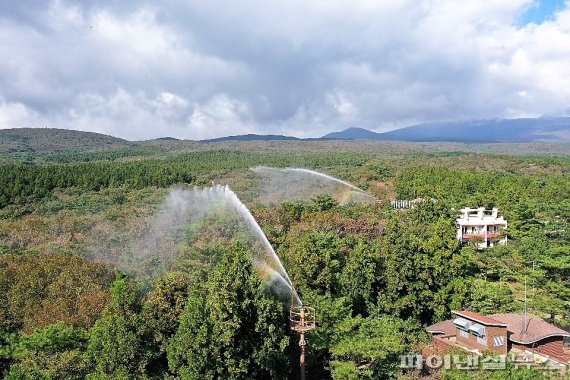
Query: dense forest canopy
[376, 276]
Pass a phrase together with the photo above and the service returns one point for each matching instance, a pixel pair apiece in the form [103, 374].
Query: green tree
[315, 261]
[324, 202]
[368, 348]
[7, 343]
[423, 264]
[488, 297]
[190, 352]
[233, 330]
[361, 277]
[54, 352]
[120, 341]
[161, 312]
[330, 311]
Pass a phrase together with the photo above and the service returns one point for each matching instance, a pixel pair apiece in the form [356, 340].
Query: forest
[376, 276]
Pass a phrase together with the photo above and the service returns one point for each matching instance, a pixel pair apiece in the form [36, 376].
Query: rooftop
[443, 327]
[536, 328]
[479, 215]
[479, 318]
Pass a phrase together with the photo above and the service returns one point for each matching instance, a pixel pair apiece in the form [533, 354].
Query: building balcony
[490, 235]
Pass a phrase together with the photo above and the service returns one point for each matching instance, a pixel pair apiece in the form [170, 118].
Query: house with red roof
[502, 334]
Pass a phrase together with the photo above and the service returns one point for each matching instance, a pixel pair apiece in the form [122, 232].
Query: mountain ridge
[484, 131]
[553, 129]
[352, 133]
[251, 137]
[40, 140]
[494, 130]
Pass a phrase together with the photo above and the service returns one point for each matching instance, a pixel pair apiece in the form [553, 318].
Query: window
[464, 333]
[498, 341]
[462, 324]
[479, 332]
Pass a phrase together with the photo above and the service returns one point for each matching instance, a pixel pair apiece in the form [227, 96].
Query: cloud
[17, 115]
[205, 69]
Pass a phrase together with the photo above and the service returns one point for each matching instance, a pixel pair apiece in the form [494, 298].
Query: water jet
[289, 184]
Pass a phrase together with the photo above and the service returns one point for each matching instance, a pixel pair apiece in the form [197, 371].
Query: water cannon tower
[302, 319]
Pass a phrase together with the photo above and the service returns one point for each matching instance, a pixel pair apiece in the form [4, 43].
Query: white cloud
[220, 116]
[17, 115]
[206, 69]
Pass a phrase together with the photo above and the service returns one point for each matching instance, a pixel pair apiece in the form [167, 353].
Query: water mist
[191, 219]
[288, 184]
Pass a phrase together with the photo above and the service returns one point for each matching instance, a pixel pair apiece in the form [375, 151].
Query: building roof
[443, 327]
[479, 318]
[480, 216]
[536, 329]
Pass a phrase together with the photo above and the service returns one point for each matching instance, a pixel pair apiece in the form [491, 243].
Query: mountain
[251, 137]
[167, 138]
[43, 140]
[29, 141]
[353, 134]
[507, 130]
[500, 130]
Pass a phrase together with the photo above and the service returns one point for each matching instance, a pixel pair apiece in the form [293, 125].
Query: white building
[484, 225]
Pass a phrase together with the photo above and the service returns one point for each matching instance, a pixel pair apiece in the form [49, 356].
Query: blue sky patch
[542, 10]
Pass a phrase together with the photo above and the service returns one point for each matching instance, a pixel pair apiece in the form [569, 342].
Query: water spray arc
[197, 217]
[290, 184]
[268, 264]
[327, 177]
[206, 211]
[302, 318]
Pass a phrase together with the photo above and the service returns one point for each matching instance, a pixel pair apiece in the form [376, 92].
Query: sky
[196, 69]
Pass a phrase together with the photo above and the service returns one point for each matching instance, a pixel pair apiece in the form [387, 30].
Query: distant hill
[353, 134]
[44, 140]
[26, 143]
[167, 138]
[500, 130]
[251, 137]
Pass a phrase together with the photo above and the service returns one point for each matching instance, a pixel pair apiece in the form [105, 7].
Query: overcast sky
[206, 68]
